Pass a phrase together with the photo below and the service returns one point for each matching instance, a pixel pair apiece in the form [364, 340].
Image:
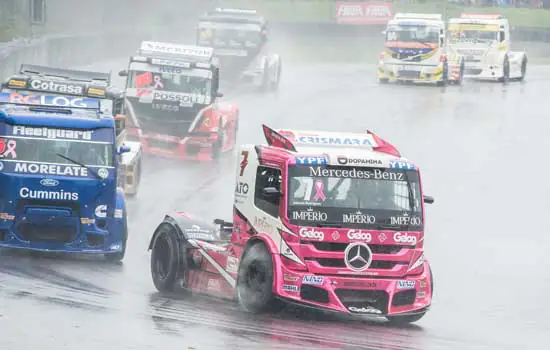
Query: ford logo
[49, 182]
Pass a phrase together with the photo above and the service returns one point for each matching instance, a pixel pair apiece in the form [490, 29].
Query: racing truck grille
[472, 71]
[161, 144]
[414, 74]
[46, 233]
[403, 298]
[376, 264]
[375, 248]
[377, 299]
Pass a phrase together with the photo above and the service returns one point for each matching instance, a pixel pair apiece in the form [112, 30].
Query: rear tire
[255, 280]
[165, 258]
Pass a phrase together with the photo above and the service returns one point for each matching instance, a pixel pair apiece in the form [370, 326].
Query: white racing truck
[415, 52]
[484, 42]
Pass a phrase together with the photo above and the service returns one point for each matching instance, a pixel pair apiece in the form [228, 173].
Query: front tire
[383, 81]
[165, 258]
[255, 280]
[523, 69]
[444, 77]
[505, 71]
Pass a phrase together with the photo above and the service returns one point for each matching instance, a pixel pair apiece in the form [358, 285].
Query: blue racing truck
[59, 167]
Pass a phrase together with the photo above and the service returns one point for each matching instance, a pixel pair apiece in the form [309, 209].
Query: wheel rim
[162, 257]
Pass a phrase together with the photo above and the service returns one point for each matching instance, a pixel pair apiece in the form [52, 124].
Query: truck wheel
[118, 256]
[383, 80]
[275, 85]
[165, 258]
[445, 76]
[523, 69]
[255, 280]
[505, 71]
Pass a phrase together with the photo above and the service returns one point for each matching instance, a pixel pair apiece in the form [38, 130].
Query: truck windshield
[472, 33]
[47, 150]
[196, 82]
[413, 34]
[355, 197]
[237, 36]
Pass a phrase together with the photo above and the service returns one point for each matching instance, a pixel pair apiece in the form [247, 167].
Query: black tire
[275, 86]
[445, 76]
[255, 280]
[119, 256]
[383, 81]
[165, 258]
[523, 69]
[461, 76]
[505, 71]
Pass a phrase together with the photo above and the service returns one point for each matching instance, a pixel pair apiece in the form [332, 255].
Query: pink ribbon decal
[9, 150]
[319, 186]
[158, 82]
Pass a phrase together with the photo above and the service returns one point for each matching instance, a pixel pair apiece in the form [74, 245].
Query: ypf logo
[358, 256]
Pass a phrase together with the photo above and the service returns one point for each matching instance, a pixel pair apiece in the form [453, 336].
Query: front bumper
[358, 296]
[410, 73]
[84, 243]
[481, 70]
[192, 147]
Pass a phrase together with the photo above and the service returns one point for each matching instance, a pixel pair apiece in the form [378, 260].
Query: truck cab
[44, 80]
[415, 51]
[484, 42]
[59, 162]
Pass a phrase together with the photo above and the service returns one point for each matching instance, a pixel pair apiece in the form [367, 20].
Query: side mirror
[124, 149]
[428, 199]
[123, 73]
[271, 192]
[219, 94]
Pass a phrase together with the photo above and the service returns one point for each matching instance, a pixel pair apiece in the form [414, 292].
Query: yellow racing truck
[415, 52]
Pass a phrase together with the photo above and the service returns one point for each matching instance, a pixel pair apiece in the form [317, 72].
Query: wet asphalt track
[481, 151]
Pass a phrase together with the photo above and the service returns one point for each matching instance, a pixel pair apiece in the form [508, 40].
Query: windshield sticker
[48, 100]
[311, 160]
[144, 79]
[7, 148]
[375, 174]
[51, 133]
[343, 160]
[401, 165]
[358, 218]
[47, 169]
[405, 219]
[320, 194]
[54, 86]
[309, 214]
[352, 141]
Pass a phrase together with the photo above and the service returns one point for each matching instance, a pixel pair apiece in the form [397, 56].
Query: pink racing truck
[328, 220]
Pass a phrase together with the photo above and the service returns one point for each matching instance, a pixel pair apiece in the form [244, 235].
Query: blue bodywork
[58, 205]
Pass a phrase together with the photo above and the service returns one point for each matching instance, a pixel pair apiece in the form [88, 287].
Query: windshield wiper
[94, 173]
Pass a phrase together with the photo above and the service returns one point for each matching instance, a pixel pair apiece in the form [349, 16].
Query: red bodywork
[214, 122]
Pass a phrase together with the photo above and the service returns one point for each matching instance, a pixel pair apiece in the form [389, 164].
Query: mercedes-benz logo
[358, 256]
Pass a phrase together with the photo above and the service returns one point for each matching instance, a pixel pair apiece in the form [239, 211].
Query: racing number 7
[244, 162]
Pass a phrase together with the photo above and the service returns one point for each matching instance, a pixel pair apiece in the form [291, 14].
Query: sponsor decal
[314, 280]
[382, 237]
[244, 162]
[401, 165]
[405, 219]
[50, 133]
[311, 160]
[319, 191]
[241, 188]
[184, 50]
[366, 174]
[214, 285]
[185, 100]
[423, 284]
[290, 288]
[51, 169]
[363, 13]
[96, 92]
[399, 237]
[7, 148]
[310, 233]
[197, 232]
[364, 310]
[170, 63]
[171, 70]
[420, 295]
[290, 278]
[358, 218]
[119, 213]
[103, 173]
[335, 235]
[87, 221]
[61, 195]
[164, 107]
[309, 215]
[359, 235]
[101, 211]
[49, 182]
[262, 224]
[232, 265]
[361, 284]
[344, 141]
[343, 160]
[405, 284]
[6, 216]
[53, 101]
[358, 256]
[55, 86]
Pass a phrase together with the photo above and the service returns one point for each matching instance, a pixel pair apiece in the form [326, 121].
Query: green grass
[324, 10]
